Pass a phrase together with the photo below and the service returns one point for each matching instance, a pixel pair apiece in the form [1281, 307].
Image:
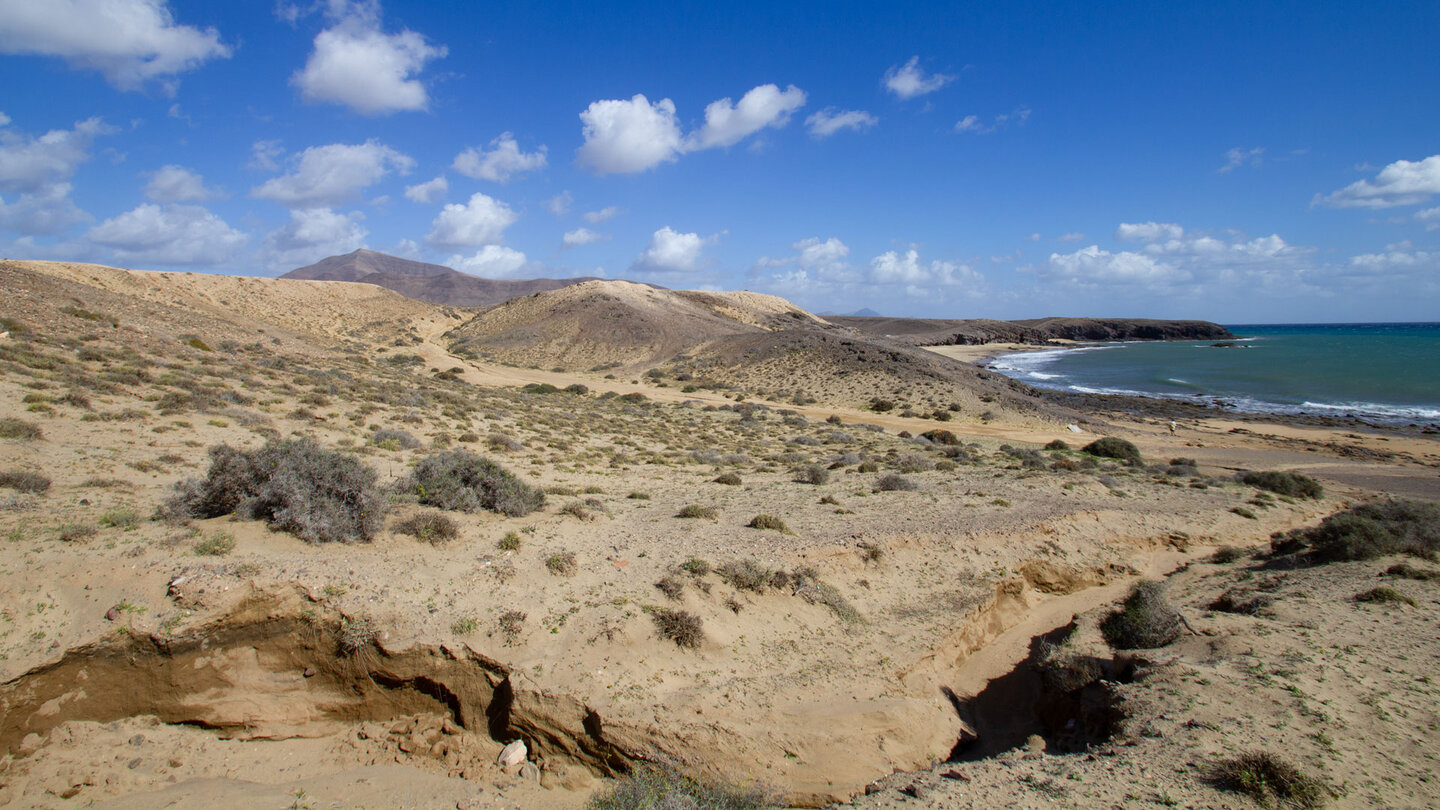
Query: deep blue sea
[1383, 372]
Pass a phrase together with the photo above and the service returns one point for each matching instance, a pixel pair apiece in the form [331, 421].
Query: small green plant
[696, 510]
[654, 787]
[465, 626]
[216, 544]
[122, 518]
[1271, 781]
[511, 622]
[562, 563]
[510, 542]
[1384, 595]
[75, 532]
[1290, 484]
[1243, 512]
[429, 527]
[680, 626]
[768, 522]
[695, 567]
[1147, 620]
[1405, 570]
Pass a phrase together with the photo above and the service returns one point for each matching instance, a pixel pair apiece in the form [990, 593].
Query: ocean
[1378, 372]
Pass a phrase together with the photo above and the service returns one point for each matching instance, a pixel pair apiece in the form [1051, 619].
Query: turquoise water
[1385, 372]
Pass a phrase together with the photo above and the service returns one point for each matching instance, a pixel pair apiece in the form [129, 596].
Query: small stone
[529, 772]
[309, 672]
[112, 614]
[954, 774]
[133, 764]
[914, 790]
[176, 762]
[513, 754]
[872, 788]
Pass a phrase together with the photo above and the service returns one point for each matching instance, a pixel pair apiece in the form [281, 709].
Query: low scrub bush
[729, 479]
[1270, 781]
[461, 481]
[812, 474]
[696, 510]
[391, 439]
[671, 587]
[319, 495]
[893, 482]
[1112, 447]
[1058, 444]
[764, 521]
[24, 481]
[1368, 531]
[1290, 484]
[653, 787]
[1407, 571]
[562, 563]
[680, 626]
[217, 544]
[19, 429]
[745, 575]
[1147, 620]
[429, 527]
[914, 463]
[940, 436]
[1384, 595]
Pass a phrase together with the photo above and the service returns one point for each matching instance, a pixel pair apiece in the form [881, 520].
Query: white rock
[513, 754]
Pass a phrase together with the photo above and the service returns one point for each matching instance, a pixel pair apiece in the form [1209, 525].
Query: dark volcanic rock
[1038, 331]
[425, 282]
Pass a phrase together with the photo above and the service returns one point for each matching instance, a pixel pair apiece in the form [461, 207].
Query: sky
[1250, 162]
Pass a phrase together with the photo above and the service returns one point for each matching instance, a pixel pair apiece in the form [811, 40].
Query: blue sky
[1239, 162]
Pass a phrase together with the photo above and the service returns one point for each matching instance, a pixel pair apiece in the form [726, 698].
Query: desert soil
[140, 668]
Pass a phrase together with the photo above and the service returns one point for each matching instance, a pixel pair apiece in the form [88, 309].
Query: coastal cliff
[1037, 331]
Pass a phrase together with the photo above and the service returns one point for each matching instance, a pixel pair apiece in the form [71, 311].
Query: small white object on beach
[512, 754]
[1074, 428]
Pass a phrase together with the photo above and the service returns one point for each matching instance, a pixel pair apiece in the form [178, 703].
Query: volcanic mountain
[434, 283]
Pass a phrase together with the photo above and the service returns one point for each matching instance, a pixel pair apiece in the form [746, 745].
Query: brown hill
[434, 283]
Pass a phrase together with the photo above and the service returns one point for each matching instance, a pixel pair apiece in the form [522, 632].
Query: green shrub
[74, 532]
[24, 481]
[1290, 484]
[539, 388]
[562, 563]
[1147, 620]
[461, 481]
[695, 567]
[1227, 554]
[1112, 447]
[121, 518]
[319, 495]
[11, 428]
[1370, 530]
[1271, 781]
[764, 521]
[1407, 571]
[695, 510]
[429, 527]
[679, 626]
[510, 542]
[1384, 595]
[1058, 444]
[214, 545]
[653, 787]
[894, 482]
[1243, 512]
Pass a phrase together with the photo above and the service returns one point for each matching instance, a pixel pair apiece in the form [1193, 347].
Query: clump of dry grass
[28, 482]
[562, 563]
[429, 527]
[768, 522]
[1271, 781]
[19, 430]
[680, 626]
[696, 510]
[893, 482]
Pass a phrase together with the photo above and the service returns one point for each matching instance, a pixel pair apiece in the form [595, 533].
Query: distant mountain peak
[423, 281]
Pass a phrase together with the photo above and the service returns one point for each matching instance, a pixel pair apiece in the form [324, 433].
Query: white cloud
[502, 161]
[358, 65]
[311, 235]
[1431, 216]
[4, 120]
[39, 171]
[176, 184]
[970, 123]
[907, 269]
[727, 123]
[602, 216]
[47, 210]
[624, 137]
[1148, 231]
[829, 121]
[330, 175]
[481, 221]
[264, 155]
[974, 124]
[129, 42]
[1403, 182]
[829, 255]
[671, 251]
[1073, 236]
[1237, 157]
[429, 191]
[559, 205]
[1400, 257]
[909, 80]
[173, 235]
[582, 236]
[490, 261]
[1092, 266]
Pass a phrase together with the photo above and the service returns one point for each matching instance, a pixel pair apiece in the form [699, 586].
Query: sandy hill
[424, 282]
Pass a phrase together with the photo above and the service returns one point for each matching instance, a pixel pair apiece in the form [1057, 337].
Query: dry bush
[770, 522]
[892, 482]
[729, 479]
[696, 510]
[562, 563]
[653, 787]
[1147, 620]
[19, 430]
[461, 481]
[391, 439]
[671, 587]
[511, 622]
[318, 495]
[680, 626]
[745, 575]
[914, 463]
[1270, 781]
[1112, 447]
[1369, 530]
[24, 481]
[429, 527]
[1293, 485]
[1384, 595]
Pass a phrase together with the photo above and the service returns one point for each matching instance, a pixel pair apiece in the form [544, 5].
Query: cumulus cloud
[602, 216]
[358, 65]
[559, 205]
[727, 123]
[672, 251]
[1403, 182]
[1237, 157]
[481, 221]
[910, 80]
[311, 235]
[429, 191]
[624, 137]
[490, 261]
[1148, 231]
[1091, 266]
[38, 170]
[325, 176]
[581, 236]
[829, 121]
[169, 235]
[503, 160]
[907, 269]
[177, 184]
[1400, 257]
[827, 256]
[129, 42]
[974, 124]
[1430, 216]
